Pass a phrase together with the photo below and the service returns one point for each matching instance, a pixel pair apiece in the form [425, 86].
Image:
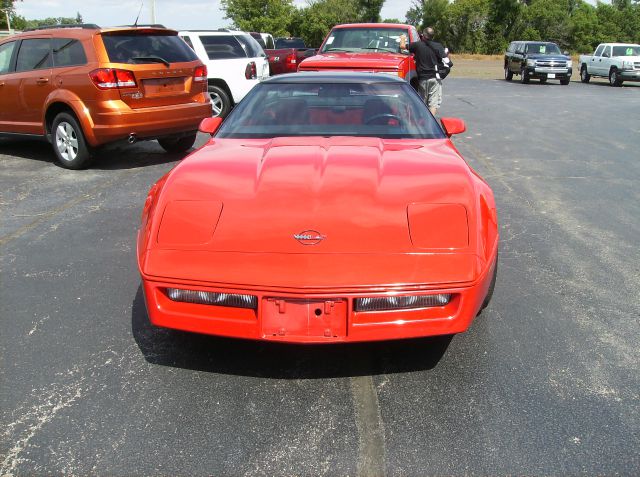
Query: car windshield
[364, 39]
[384, 110]
[123, 48]
[543, 49]
[626, 50]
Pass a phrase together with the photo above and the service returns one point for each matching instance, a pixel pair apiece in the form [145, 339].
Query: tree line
[465, 26]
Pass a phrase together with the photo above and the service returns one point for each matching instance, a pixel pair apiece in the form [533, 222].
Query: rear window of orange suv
[137, 48]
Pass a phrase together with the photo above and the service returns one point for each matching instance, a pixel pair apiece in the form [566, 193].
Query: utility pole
[153, 12]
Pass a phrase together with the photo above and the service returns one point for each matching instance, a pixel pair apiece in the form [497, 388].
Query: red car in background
[366, 47]
[285, 54]
[327, 208]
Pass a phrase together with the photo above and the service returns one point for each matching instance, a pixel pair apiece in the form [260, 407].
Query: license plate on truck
[551, 75]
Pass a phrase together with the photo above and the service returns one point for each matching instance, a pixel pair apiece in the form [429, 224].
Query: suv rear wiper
[153, 59]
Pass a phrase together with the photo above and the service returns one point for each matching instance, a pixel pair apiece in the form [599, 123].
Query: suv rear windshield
[225, 47]
[251, 46]
[126, 48]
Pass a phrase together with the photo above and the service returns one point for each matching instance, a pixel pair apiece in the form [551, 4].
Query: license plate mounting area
[309, 318]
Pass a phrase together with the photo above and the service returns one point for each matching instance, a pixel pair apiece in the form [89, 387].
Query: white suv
[235, 63]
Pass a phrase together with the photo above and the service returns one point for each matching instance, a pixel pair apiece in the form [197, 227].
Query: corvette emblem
[309, 237]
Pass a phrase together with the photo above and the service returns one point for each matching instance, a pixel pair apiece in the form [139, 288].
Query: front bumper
[630, 75]
[542, 72]
[326, 317]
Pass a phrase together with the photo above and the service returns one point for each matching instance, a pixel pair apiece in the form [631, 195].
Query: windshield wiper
[152, 59]
[378, 48]
[339, 49]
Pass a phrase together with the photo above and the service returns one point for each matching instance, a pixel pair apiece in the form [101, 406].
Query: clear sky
[186, 14]
[183, 15]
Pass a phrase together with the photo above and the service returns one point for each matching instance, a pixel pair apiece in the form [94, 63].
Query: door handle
[42, 80]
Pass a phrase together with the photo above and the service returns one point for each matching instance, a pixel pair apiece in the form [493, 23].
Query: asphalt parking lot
[545, 382]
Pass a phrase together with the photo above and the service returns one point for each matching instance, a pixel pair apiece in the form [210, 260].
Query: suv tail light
[250, 71]
[112, 78]
[200, 74]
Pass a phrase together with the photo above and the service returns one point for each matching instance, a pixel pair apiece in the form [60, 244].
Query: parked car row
[618, 62]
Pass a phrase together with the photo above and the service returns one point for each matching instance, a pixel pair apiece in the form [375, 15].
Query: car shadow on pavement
[276, 360]
[112, 157]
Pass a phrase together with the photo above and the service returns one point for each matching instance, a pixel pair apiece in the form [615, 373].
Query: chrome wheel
[217, 105]
[66, 141]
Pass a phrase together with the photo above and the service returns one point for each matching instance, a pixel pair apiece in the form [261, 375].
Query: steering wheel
[386, 116]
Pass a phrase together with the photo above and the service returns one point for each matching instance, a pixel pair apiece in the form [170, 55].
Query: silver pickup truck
[617, 61]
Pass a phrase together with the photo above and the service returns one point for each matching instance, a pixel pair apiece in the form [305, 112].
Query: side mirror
[605, 55]
[565, 53]
[210, 125]
[453, 126]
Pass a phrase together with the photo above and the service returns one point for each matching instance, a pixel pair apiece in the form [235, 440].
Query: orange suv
[81, 86]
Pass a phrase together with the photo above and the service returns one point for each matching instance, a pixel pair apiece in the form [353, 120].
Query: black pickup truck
[537, 59]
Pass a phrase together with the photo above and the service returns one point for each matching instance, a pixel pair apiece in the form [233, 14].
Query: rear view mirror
[210, 125]
[453, 126]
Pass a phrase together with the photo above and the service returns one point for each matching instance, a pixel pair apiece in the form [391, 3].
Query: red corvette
[328, 207]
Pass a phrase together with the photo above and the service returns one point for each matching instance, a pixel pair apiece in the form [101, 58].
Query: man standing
[428, 55]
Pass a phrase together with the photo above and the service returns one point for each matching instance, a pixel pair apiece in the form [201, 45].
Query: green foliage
[320, 16]
[272, 16]
[52, 21]
[369, 10]
[466, 26]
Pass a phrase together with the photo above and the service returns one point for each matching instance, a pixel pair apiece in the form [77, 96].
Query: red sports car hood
[354, 192]
[353, 61]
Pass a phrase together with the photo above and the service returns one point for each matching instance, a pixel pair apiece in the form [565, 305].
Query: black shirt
[426, 58]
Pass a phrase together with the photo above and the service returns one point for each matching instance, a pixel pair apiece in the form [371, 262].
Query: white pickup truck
[617, 61]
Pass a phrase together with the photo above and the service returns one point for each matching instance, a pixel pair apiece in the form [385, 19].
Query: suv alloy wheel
[220, 102]
[70, 146]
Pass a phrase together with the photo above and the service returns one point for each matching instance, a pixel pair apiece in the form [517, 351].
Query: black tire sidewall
[584, 75]
[83, 158]
[180, 144]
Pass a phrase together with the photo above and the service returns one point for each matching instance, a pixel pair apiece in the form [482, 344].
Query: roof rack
[85, 26]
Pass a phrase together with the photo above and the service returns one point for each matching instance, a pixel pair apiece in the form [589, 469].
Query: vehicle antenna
[139, 12]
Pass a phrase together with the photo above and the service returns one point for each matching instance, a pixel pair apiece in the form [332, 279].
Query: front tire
[565, 81]
[180, 144]
[614, 77]
[584, 74]
[492, 286]
[524, 76]
[508, 74]
[69, 144]
[543, 80]
[220, 101]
